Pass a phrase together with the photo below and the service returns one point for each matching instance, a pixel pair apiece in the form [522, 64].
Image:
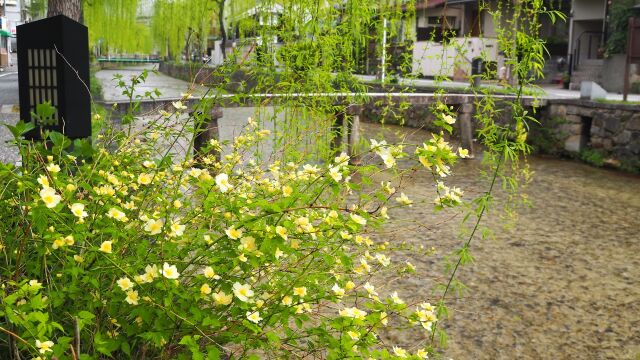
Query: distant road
[8, 88]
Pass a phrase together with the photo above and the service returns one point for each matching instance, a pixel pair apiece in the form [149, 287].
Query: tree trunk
[69, 8]
[223, 32]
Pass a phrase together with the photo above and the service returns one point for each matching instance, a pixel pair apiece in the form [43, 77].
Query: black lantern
[53, 69]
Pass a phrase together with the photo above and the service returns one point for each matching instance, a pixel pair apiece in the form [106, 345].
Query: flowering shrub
[134, 254]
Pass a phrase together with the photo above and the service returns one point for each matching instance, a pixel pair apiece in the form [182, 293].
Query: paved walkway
[170, 88]
[550, 91]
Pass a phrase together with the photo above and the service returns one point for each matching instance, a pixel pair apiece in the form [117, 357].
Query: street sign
[53, 69]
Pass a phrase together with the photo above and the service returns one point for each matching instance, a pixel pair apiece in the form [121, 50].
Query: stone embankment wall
[613, 129]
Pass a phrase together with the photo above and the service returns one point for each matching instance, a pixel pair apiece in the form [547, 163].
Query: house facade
[450, 36]
[587, 34]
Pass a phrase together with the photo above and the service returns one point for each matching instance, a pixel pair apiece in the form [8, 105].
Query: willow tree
[181, 25]
[113, 24]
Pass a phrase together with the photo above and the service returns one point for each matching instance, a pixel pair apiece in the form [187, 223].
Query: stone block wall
[611, 128]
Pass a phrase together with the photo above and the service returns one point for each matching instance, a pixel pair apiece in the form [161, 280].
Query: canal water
[562, 281]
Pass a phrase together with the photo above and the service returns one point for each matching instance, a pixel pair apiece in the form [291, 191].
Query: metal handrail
[576, 49]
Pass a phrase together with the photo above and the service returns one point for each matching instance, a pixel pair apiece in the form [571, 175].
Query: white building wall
[588, 9]
[437, 59]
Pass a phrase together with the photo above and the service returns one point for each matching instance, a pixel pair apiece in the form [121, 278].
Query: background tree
[70, 8]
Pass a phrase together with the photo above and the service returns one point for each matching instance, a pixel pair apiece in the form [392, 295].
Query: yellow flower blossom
[50, 197]
[169, 271]
[300, 291]
[254, 316]
[144, 179]
[205, 289]
[177, 229]
[222, 181]
[77, 209]
[287, 191]
[287, 300]
[125, 283]
[53, 168]
[222, 299]
[464, 153]
[353, 335]
[403, 199]
[337, 290]
[154, 227]
[210, 274]
[233, 233]
[44, 346]
[400, 352]
[132, 297]
[242, 291]
[282, 231]
[43, 180]
[106, 247]
[353, 312]
[358, 219]
[248, 243]
[117, 215]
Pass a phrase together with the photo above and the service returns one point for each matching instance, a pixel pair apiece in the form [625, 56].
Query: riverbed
[558, 281]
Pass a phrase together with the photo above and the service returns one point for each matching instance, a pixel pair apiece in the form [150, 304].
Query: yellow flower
[125, 283]
[337, 290]
[233, 233]
[69, 240]
[403, 199]
[117, 214]
[177, 204]
[169, 271]
[287, 300]
[422, 354]
[177, 229]
[287, 191]
[49, 197]
[43, 180]
[178, 105]
[210, 274]
[79, 259]
[358, 219]
[222, 299]
[132, 297]
[300, 291]
[144, 179]
[205, 289]
[254, 317]
[44, 346]
[154, 227]
[105, 247]
[464, 153]
[349, 285]
[396, 299]
[242, 258]
[58, 243]
[248, 243]
[425, 162]
[353, 335]
[353, 312]
[77, 209]
[400, 352]
[384, 318]
[449, 119]
[242, 291]
[282, 231]
[222, 181]
[279, 253]
[53, 168]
